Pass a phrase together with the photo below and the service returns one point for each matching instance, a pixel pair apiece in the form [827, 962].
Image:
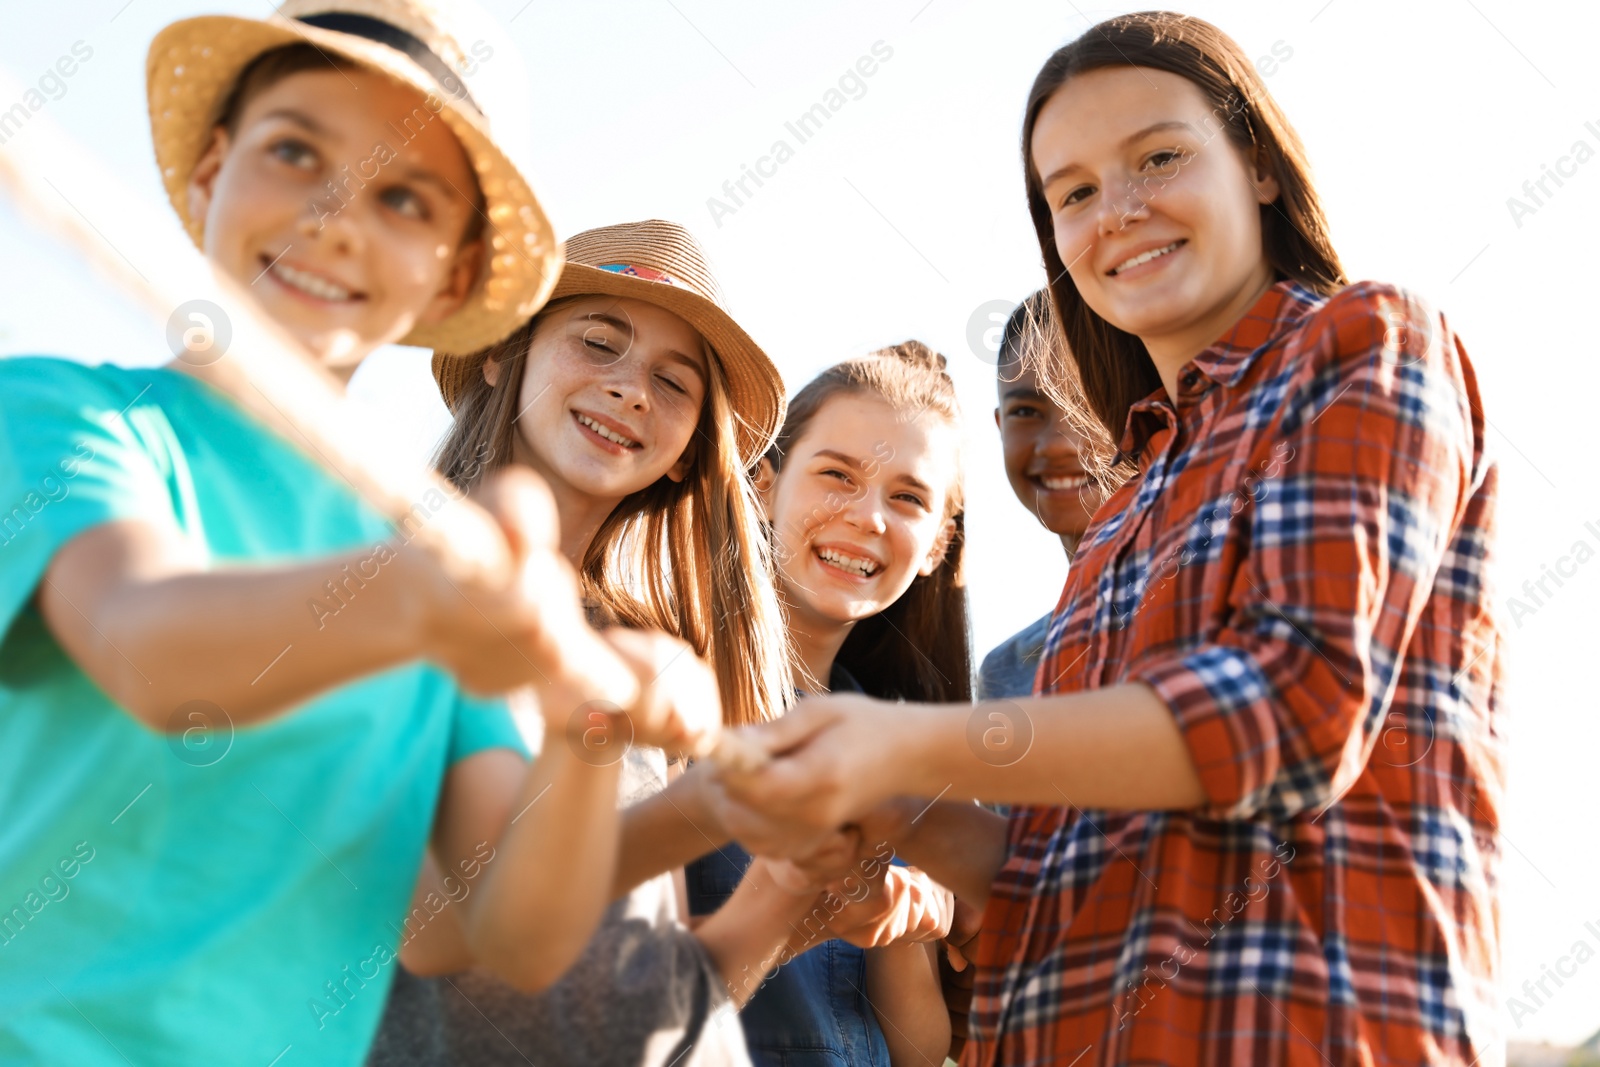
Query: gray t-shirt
[643, 993]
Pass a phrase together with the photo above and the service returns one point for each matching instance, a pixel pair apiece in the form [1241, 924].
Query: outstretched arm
[840, 757]
[154, 624]
[667, 830]
[142, 616]
[554, 825]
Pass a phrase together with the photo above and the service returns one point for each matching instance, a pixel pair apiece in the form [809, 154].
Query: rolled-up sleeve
[1374, 455]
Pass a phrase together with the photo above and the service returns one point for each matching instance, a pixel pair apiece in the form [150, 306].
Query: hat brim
[755, 389]
[193, 66]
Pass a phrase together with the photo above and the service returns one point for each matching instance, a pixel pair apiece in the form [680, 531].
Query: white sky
[905, 213]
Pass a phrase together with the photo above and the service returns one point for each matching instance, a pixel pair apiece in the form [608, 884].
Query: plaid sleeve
[1281, 706]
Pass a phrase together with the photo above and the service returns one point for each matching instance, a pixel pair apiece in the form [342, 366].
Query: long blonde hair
[684, 557]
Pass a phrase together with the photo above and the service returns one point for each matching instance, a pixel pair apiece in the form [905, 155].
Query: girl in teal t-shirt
[225, 721]
[207, 884]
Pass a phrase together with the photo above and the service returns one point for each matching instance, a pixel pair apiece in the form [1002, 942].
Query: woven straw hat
[194, 65]
[661, 263]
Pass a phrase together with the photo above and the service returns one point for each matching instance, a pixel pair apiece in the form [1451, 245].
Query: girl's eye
[597, 340]
[1024, 411]
[833, 473]
[1164, 159]
[295, 152]
[1077, 195]
[673, 385]
[913, 499]
[404, 201]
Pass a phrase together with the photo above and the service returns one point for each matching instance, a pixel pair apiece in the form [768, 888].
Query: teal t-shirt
[211, 895]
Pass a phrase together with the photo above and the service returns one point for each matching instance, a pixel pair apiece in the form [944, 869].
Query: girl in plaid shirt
[1258, 794]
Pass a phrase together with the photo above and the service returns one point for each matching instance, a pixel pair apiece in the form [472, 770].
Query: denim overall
[812, 1011]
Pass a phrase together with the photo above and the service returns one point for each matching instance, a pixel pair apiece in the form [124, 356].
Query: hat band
[386, 33]
[649, 274]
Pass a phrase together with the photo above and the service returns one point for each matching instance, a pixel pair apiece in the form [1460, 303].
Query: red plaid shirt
[1299, 571]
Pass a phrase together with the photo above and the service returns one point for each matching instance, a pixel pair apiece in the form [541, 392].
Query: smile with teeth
[1058, 483]
[310, 284]
[605, 431]
[865, 568]
[1143, 257]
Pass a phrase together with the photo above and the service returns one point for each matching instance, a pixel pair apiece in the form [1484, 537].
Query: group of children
[393, 864]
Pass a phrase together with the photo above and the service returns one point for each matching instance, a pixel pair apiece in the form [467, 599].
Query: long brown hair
[917, 648]
[684, 557]
[1113, 367]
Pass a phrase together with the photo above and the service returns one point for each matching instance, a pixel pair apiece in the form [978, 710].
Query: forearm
[666, 831]
[294, 641]
[903, 988]
[252, 642]
[434, 942]
[1116, 748]
[757, 930]
[960, 845]
[548, 887]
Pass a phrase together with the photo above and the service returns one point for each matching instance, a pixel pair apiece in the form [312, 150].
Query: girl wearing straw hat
[642, 404]
[223, 738]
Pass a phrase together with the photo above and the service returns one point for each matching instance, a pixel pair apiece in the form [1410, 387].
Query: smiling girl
[1057, 460]
[863, 494]
[341, 275]
[863, 491]
[641, 403]
[1260, 790]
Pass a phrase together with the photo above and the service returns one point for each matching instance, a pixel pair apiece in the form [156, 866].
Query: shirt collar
[840, 680]
[1231, 356]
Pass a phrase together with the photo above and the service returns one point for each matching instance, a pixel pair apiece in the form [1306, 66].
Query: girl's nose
[865, 515]
[334, 223]
[1057, 439]
[1122, 205]
[628, 386]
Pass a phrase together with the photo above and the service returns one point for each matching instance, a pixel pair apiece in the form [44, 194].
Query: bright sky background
[905, 214]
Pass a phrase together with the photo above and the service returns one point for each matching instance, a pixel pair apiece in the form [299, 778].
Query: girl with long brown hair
[641, 403]
[865, 507]
[1258, 793]
[910, 640]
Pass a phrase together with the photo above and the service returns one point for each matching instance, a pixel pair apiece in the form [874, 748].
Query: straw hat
[194, 65]
[661, 263]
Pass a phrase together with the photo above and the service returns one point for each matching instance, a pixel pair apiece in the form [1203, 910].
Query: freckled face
[858, 510]
[357, 266]
[1156, 213]
[1044, 456]
[611, 395]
